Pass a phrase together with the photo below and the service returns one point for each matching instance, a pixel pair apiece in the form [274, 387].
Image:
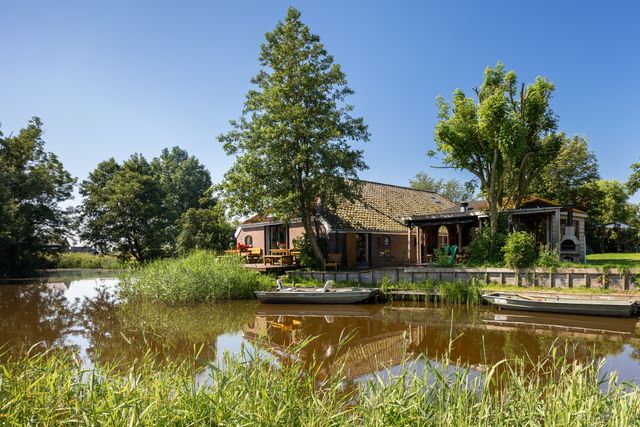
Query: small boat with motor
[593, 305]
[324, 295]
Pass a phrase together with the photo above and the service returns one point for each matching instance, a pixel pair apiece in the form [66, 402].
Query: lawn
[615, 259]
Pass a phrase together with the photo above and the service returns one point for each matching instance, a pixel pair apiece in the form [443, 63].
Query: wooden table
[280, 251]
[278, 259]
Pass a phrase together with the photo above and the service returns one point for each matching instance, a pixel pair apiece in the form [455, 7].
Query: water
[85, 315]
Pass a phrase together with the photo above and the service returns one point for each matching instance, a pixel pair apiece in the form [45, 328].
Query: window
[386, 241]
[248, 240]
[443, 236]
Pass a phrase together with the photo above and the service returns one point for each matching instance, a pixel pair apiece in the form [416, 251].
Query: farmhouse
[394, 226]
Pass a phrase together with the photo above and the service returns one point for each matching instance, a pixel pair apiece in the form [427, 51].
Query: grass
[199, 277]
[614, 260]
[85, 260]
[55, 388]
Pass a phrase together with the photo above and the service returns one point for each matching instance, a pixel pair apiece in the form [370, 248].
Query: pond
[86, 316]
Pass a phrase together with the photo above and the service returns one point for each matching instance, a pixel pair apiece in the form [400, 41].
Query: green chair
[453, 250]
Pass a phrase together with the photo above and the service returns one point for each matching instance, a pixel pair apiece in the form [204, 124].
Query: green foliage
[199, 277]
[84, 260]
[452, 189]
[567, 179]
[441, 257]
[137, 207]
[308, 258]
[292, 145]
[55, 388]
[32, 184]
[519, 250]
[504, 137]
[204, 229]
[633, 183]
[548, 257]
[484, 249]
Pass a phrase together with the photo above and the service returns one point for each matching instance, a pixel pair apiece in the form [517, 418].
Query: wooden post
[409, 245]
[459, 231]
[419, 248]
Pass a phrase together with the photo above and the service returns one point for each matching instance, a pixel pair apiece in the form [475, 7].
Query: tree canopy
[566, 179]
[33, 183]
[137, 207]
[292, 143]
[633, 184]
[503, 136]
[452, 189]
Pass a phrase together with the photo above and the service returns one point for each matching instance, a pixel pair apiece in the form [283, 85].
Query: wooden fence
[619, 279]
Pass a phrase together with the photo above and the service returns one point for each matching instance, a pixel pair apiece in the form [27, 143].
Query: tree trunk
[309, 234]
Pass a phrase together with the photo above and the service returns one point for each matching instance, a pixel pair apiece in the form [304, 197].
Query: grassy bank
[54, 388]
[199, 277]
[614, 260]
[84, 260]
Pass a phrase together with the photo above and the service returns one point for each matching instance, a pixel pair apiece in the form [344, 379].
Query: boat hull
[313, 296]
[591, 307]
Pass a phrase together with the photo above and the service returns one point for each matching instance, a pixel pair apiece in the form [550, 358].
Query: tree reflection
[32, 314]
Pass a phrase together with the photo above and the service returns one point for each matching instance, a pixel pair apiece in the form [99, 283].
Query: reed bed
[55, 388]
[199, 277]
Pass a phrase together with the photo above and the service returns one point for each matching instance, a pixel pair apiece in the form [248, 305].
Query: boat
[592, 305]
[320, 310]
[324, 295]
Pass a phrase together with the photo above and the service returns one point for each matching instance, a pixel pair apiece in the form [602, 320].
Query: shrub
[548, 257]
[484, 249]
[307, 257]
[519, 250]
[199, 277]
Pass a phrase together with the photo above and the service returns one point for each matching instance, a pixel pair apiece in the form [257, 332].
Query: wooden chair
[333, 260]
[255, 255]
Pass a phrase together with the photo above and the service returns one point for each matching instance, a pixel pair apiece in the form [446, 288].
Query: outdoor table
[280, 251]
[278, 259]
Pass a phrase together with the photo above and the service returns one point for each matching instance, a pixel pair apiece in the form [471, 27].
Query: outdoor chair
[333, 260]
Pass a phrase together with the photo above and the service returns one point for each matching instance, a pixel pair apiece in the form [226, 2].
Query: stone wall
[561, 278]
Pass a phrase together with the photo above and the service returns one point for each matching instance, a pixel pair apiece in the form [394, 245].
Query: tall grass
[199, 277]
[55, 388]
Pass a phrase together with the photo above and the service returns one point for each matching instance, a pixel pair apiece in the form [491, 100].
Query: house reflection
[386, 336]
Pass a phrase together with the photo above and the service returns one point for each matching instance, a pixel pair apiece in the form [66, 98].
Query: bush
[484, 249]
[307, 258]
[199, 277]
[548, 257]
[519, 250]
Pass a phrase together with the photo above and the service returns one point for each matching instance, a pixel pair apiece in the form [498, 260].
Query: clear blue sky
[116, 77]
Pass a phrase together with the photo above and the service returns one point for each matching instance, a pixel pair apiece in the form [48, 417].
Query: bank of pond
[77, 352]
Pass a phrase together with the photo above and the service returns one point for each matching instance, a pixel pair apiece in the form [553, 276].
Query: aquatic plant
[199, 277]
[55, 387]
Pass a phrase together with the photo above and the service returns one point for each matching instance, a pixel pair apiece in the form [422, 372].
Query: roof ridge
[401, 186]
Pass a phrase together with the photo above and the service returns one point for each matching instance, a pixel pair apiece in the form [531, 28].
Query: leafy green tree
[633, 184]
[204, 228]
[184, 181]
[504, 136]
[136, 208]
[292, 142]
[452, 189]
[33, 183]
[565, 180]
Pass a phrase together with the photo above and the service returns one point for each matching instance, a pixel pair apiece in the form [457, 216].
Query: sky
[114, 78]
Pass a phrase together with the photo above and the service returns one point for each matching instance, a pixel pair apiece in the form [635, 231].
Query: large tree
[452, 189]
[136, 208]
[565, 179]
[503, 136]
[633, 184]
[292, 142]
[33, 183]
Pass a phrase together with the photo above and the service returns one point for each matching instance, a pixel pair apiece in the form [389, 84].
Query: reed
[55, 388]
[84, 260]
[199, 277]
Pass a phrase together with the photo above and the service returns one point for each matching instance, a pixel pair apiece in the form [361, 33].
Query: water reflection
[86, 316]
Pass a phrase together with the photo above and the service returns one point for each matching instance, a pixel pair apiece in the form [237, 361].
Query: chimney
[570, 215]
[463, 206]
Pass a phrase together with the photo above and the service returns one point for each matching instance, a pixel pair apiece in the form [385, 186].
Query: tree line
[138, 209]
[294, 154]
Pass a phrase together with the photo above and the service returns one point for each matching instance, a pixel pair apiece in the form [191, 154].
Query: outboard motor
[279, 284]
